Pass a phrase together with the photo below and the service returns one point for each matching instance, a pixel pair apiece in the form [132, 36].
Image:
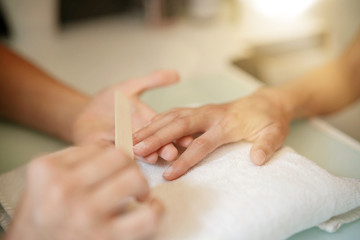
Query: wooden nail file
[123, 130]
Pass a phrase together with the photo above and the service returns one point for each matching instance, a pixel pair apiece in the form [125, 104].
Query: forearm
[31, 97]
[325, 90]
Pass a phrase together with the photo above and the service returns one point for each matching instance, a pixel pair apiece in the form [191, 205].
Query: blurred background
[90, 44]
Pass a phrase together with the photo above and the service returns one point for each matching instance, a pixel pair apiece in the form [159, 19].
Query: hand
[259, 118]
[83, 193]
[96, 122]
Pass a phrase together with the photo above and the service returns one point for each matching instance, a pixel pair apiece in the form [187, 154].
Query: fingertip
[140, 148]
[258, 157]
[185, 141]
[152, 158]
[168, 152]
[176, 75]
[169, 173]
[173, 172]
[169, 76]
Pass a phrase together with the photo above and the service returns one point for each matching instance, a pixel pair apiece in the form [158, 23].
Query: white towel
[227, 197]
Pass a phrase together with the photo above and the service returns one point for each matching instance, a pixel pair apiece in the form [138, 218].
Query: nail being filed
[140, 146]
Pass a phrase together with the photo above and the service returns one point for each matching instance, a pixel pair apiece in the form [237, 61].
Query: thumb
[266, 145]
[160, 78]
[156, 79]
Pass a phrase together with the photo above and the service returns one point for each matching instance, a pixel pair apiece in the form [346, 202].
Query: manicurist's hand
[259, 118]
[83, 193]
[96, 121]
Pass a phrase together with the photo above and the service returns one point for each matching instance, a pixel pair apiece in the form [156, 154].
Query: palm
[96, 122]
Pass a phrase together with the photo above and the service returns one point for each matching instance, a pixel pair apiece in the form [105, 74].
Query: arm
[31, 97]
[324, 90]
[262, 118]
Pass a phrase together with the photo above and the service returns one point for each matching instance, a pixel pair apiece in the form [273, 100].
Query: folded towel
[12, 185]
[227, 197]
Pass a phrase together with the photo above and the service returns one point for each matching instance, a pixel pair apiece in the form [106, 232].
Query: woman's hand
[259, 118]
[96, 122]
[84, 193]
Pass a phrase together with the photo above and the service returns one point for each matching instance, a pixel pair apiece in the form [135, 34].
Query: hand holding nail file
[123, 129]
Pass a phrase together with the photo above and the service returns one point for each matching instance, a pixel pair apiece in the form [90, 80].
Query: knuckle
[60, 191]
[40, 167]
[174, 114]
[279, 129]
[213, 109]
[225, 124]
[266, 145]
[155, 140]
[200, 143]
[183, 123]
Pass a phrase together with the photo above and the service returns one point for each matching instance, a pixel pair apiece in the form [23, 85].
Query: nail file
[123, 129]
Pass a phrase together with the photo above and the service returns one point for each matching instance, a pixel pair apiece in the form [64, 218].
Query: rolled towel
[226, 196]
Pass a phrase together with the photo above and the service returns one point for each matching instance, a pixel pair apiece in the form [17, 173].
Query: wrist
[280, 100]
[78, 104]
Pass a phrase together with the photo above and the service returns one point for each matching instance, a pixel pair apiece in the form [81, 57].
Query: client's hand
[83, 193]
[259, 118]
[96, 121]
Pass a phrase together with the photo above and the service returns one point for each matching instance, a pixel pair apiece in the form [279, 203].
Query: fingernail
[169, 154]
[152, 158]
[187, 142]
[139, 146]
[169, 172]
[166, 155]
[259, 157]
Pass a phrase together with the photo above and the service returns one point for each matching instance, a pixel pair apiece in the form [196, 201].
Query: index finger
[172, 131]
[196, 152]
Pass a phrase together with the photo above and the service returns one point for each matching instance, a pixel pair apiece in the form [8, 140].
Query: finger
[185, 141]
[115, 189]
[169, 133]
[102, 166]
[197, 151]
[139, 224]
[155, 79]
[72, 156]
[168, 152]
[158, 79]
[141, 115]
[267, 144]
[152, 158]
[153, 126]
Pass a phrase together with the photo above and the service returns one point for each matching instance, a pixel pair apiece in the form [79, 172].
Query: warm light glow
[281, 9]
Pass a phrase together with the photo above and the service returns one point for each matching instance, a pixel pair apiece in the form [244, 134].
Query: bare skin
[83, 193]
[96, 121]
[58, 201]
[262, 118]
[34, 98]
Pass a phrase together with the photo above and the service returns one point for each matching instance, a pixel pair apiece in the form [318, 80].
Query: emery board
[123, 129]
